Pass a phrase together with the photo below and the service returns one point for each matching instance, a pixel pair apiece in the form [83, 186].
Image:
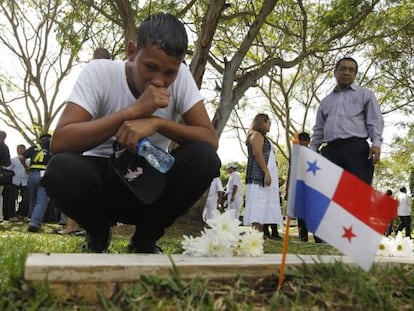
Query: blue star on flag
[312, 167]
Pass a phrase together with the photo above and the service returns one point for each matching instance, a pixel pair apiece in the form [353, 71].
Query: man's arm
[219, 197]
[233, 193]
[375, 127]
[77, 132]
[317, 131]
[197, 126]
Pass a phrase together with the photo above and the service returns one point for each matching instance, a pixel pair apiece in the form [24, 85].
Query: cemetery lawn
[309, 287]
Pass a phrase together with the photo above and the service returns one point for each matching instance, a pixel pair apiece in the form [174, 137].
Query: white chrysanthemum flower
[403, 246]
[226, 225]
[250, 244]
[213, 244]
[385, 247]
[224, 238]
[396, 247]
[191, 245]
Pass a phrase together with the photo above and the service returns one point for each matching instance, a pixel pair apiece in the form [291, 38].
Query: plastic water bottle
[158, 158]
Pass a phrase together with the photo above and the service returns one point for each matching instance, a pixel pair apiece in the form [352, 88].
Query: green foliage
[394, 171]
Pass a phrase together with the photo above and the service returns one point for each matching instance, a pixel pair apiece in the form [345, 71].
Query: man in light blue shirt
[346, 118]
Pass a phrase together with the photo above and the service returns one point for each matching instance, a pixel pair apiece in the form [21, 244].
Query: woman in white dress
[262, 188]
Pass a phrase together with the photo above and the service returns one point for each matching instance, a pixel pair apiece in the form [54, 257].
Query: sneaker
[33, 229]
[14, 219]
[143, 247]
[97, 243]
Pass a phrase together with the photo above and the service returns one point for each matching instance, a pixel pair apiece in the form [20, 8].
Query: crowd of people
[90, 171]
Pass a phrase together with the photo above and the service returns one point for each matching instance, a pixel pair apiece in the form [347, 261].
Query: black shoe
[276, 237]
[33, 229]
[97, 243]
[143, 247]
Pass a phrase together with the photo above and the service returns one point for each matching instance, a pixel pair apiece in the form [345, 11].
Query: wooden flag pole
[286, 239]
[284, 251]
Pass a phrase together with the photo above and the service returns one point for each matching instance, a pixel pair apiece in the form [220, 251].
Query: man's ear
[131, 50]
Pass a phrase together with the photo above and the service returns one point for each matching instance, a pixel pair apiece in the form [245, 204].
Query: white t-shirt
[234, 180]
[404, 204]
[215, 187]
[102, 89]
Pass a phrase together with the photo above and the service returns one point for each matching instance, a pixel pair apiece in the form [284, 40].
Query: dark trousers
[23, 209]
[270, 227]
[390, 228]
[303, 232]
[352, 155]
[6, 198]
[84, 190]
[405, 223]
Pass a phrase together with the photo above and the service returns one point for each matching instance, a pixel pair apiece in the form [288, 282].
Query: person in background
[214, 198]
[345, 119]
[270, 231]
[101, 53]
[39, 157]
[390, 228]
[20, 166]
[304, 140]
[404, 211]
[123, 102]
[72, 227]
[4, 162]
[262, 182]
[234, 190]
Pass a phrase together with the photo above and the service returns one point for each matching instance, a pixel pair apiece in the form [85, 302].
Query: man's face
[152, 65]
[20, 149]
[345, 73]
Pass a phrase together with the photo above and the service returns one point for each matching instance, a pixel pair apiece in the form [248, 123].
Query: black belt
[342, 141]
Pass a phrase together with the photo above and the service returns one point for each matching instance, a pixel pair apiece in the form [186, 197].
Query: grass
[308, 287]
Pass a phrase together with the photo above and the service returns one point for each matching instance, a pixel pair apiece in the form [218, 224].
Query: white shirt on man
[234, 180]
[102, 89]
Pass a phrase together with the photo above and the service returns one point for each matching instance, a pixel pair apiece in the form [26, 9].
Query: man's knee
[206, 157]
[63, 171]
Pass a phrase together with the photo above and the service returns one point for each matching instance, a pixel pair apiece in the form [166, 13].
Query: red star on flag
[348, 234]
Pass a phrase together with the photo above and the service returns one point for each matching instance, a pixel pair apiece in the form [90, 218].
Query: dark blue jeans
[84, 190]
[38, 198]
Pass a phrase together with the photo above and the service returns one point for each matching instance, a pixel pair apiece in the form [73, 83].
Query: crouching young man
[124, 102]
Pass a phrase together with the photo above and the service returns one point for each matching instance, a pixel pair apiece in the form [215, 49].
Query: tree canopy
[284, 50]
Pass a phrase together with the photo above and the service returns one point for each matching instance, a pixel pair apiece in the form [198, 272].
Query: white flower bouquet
[224, 237]
[396, 247]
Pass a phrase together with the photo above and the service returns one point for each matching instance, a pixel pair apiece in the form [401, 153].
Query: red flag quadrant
[337, 206]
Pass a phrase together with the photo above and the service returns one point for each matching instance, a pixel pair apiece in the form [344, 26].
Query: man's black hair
[347, 58]
[101, 53]
[304, 136]
[166, 32]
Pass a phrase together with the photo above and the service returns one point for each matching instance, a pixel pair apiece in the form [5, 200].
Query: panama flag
[337, 206]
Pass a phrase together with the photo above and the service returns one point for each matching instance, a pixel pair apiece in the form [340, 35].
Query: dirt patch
[181, 226]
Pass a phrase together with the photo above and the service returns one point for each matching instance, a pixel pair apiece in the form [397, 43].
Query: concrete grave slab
[79, 275]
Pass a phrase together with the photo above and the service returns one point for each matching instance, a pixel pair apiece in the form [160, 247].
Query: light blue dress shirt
[353, 112]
